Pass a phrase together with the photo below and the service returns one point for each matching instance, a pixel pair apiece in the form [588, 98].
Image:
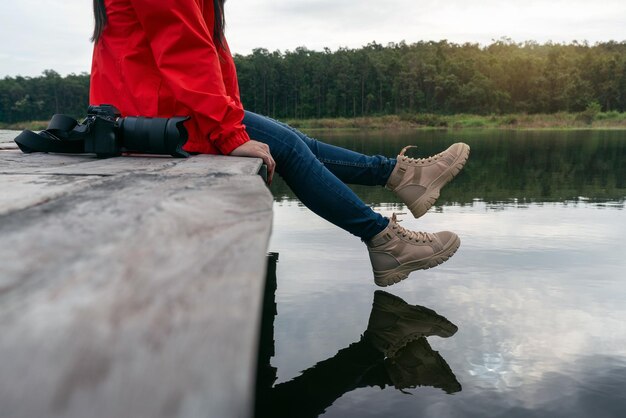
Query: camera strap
[63, 135]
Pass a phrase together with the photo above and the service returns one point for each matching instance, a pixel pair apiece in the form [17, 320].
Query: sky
[54, 34]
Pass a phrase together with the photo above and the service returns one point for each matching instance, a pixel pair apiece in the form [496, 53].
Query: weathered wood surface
[6, 139]
[130, 287]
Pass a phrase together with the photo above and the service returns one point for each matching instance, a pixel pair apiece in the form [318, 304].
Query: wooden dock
[129, 287]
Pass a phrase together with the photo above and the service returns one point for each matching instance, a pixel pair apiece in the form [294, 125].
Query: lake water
[537, 290]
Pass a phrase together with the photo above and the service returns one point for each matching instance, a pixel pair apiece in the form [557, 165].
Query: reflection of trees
[393, 351]
[524, 165]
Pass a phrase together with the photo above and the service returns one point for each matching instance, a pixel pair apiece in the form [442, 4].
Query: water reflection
[392, 352]
[507, 166]
[537, 289]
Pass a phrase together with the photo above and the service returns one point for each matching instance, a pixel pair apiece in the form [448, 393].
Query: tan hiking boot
[417, 364]
[393, 323]
[418, 181]
[395, 251]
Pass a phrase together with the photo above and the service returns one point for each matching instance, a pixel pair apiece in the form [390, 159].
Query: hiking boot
[393, 323]
[418, 181]
[418, 364]
[395, 251]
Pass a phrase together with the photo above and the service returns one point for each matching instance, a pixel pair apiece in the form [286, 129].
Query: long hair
[100, 16]
[220, 23]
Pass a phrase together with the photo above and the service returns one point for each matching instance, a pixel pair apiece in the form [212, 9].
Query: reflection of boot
[395, 251]
[418, 365]
[417, 181]
[394, 323]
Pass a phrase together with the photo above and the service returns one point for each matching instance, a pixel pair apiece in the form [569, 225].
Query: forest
[441, 77]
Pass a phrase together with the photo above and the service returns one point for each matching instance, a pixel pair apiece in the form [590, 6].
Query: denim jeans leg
[349, 166]
[313, 183]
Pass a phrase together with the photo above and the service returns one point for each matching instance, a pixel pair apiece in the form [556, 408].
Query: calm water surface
[537, 290]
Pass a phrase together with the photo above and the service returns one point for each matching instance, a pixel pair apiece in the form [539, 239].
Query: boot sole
[397, 274]
[427, 200]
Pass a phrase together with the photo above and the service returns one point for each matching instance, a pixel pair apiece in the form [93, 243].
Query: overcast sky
[54, 34]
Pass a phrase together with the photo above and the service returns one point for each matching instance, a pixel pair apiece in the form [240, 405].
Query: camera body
[108, 134]
[102, 127]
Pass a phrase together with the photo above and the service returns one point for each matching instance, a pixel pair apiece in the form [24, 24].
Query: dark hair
[100, 16]
[220, 23]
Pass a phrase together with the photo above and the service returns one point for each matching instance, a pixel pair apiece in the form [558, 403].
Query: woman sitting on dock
[162, 58]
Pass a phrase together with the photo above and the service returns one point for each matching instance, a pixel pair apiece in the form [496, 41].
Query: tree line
[38, 98]
[399, 78]
[434, 77]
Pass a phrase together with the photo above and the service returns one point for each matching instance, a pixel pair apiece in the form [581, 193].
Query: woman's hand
[260, 150]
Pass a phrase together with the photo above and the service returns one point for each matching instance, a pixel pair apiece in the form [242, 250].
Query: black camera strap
[61, 136]
[105, 133]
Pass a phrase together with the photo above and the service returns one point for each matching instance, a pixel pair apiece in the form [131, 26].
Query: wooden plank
[18, 192]
[7, 146]
[16, 162]
[203, 165]
[6, 136]
[199, 165]
[137, 297]
[112, 166]
[6, 139]
[129, 286]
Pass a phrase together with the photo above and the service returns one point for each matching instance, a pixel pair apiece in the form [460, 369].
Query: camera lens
[154, 135]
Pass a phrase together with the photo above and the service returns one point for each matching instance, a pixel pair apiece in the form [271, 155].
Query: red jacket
[158, 58]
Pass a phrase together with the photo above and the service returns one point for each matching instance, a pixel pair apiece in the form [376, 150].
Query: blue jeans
[318, 173]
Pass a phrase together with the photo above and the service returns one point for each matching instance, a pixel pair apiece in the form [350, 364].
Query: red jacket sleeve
[187, 58]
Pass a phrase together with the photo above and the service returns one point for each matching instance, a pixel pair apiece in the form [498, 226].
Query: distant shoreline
[561, 120]
[518, 121]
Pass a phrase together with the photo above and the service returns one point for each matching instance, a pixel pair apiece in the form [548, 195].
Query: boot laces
[417, 160]
[417, 236]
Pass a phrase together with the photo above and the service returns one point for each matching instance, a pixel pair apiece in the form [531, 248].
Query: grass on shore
[560, 120]
[35, 125]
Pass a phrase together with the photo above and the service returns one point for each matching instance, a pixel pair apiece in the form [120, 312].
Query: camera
[108, 134]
